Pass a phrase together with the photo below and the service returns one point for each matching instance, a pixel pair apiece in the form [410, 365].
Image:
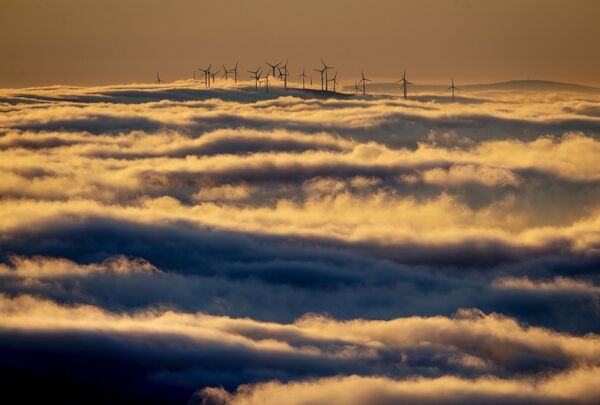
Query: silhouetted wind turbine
[364, 81]
[334, 80]
[283, 72]
[256, 76]
[453, 88]
[405, 84]
[303, 76]
[355, 87]
[194, 75]
[326, 68]
[235, 73]
[226, 73]
[213, 75]
[273, 67]
[158, 81]
[266, 78]
[321, 71]
[206, 75]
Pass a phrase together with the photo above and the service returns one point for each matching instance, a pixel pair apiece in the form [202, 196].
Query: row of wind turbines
[280, 71]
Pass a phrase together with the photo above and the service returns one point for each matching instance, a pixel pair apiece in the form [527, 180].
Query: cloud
[225, 192]
[560, 389]
[158, 241]
[43, 267]
[389, 120]
[201, 347]
[493, 338]
[558, 284]
[455, 175]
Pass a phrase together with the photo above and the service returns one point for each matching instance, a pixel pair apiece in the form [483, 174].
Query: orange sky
[108, 41]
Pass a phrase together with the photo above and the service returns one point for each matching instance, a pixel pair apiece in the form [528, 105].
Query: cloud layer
[225, 246]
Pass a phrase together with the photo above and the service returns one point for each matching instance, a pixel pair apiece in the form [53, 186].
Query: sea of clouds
[172, 243]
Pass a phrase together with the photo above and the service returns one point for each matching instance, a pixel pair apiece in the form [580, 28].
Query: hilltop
[511, 85]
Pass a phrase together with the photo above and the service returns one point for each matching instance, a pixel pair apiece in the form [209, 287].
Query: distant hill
[512, 85]
[532, 85]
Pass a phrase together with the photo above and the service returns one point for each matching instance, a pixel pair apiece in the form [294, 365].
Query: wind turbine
[326, 69]
[158, 81]
[283, 72]
[194, 76]
[206, 75]
[226, 73]
[303, 76]
[334, 80]
[235, 73]
[364, 81]
[405, 84]
[453, 88]
[213, 75]
[266, 78]
[355, 87]
[256, 76]
[273, 67]
[321, 71]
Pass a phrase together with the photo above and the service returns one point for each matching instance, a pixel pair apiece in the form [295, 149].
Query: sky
[86, 42]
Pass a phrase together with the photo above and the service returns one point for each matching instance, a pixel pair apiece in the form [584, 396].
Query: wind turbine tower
[283, 73]
[405, 84]
[335, 82]
[303, 76]
[326, 69]
[266, 78]
[321, 71]
[235, 73]
[453, 88]
[226, 72]
[256, 76]
[214, 75]
[206, 75]
[364, 81]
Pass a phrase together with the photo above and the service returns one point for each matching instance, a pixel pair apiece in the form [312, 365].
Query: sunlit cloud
[561, 389]
[234, 246]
